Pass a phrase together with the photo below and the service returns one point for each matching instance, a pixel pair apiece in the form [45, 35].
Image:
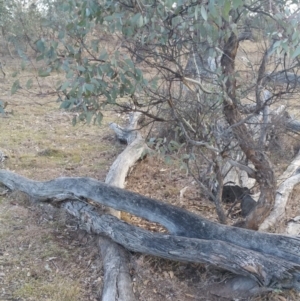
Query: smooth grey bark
[285, 184]
[117, 280]
[130, 155]
[283, 78]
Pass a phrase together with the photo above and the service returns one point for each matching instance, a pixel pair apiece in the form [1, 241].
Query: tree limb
[227, 256]
[177, 221]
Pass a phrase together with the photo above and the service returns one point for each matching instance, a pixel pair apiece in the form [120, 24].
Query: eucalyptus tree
[182, 63]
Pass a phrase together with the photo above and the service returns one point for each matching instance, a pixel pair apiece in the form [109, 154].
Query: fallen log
[279, 255]
[131, 154]
[117, 280]
[283, 78]
[230, 257]
[285, 183]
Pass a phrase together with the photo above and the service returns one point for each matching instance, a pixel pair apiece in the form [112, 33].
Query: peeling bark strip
[266, 270]
[178, 221]
[264, 173]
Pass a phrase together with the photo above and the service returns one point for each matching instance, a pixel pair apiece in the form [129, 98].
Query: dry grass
[42, 255]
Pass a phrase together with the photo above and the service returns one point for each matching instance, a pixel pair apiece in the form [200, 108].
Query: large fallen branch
[276, 256]
[132, 153]
[227, 256]
[286, 183]
[117, 281]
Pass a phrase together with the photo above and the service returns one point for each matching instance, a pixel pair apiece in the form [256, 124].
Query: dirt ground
[43, 255]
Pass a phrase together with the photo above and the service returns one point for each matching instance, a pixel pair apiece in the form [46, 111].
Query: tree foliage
[20, 23]
[177, 62]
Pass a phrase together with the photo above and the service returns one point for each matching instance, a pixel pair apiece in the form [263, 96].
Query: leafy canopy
[100, 71]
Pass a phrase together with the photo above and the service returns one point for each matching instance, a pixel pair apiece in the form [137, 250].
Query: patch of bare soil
[43, 256]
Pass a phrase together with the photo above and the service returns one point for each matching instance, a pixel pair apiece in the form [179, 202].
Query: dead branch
[227, 256]
[286, 183]
[179, 222]
[117, 281]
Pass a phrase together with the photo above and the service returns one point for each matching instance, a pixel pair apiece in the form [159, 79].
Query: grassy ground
[42, 255]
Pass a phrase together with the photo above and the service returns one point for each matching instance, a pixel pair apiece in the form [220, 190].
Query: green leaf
[15, 74]
[203, 13]
[70, 74]
[168, 160]
[98, 118]
[94, 45]
[103, 56]
[81, 68]
[65, 104]
[54, 44]
[82, 116]
[15, 87]
[40, 57]
[29, 83]
[138, 75]
[89, 87]
[130, 63]
[226, 9]
[43, 73]
[61, 35]
[140, 21]
[135, 19]
[296, 52]
[64, 86]
[40, 45]
[237, 3]
[88, 117]
[212, 9]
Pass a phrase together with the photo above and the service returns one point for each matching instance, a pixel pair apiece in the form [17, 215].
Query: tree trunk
[264, 173]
